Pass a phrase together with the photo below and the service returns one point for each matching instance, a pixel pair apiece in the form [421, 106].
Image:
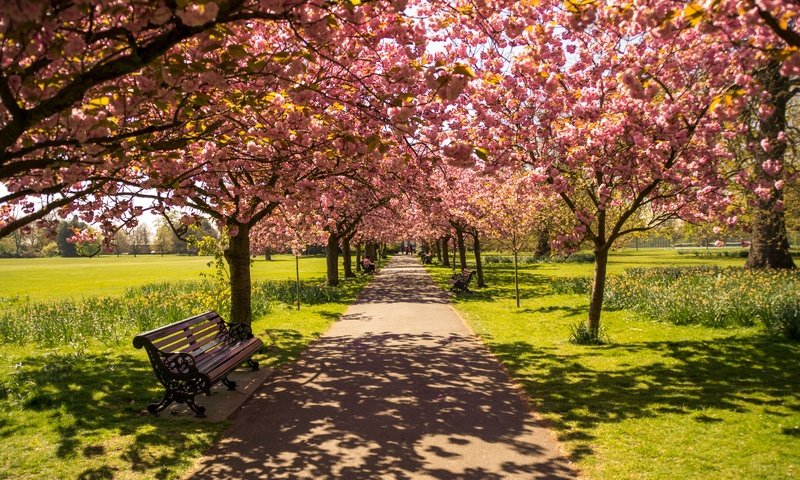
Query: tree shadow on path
[387, 405]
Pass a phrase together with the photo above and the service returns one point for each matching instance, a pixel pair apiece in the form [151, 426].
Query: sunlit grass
[662, 401]
[34, 279]
[76, 409]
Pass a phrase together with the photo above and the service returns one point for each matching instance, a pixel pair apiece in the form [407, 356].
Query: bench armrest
[180, 364]
[239, 331]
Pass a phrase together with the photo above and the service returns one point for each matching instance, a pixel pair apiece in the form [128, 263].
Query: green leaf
[237, 51]
[465, 70]
[99, 101]
[332, 22]
[482, 153]
[282, 57]
[373, 141]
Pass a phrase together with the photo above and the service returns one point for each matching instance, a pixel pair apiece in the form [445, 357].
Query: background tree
[164, 240]
[139, 238]
[515, 212]
[66, 230]
[121, 243]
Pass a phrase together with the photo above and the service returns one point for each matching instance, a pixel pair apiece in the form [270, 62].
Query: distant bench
[460, 281]
[191, 355]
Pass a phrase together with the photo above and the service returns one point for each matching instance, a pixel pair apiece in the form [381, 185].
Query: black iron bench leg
[199, 411]
[154, 408]
[253, 364]
[228, 383]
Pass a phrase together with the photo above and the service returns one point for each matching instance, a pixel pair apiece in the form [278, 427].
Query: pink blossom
[771, 167]
[161, 15]
[763, 193]
[74, 46]
[196, 14]
[791, 66]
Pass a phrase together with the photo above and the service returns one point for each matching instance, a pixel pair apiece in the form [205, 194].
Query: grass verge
[77, 410]
[662, 401]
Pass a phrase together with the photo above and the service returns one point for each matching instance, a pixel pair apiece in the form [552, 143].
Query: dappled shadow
[733, 374]
[87, 395]
[385, 405]
[498, 277]
[403, 281]
[283, 345]
[568, 311]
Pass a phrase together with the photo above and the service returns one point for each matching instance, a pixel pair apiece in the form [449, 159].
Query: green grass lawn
[56, 278]
[661, 401]
[77, 411]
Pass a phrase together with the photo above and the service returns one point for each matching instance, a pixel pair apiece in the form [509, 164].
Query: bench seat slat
[209, 360]
[234, 361]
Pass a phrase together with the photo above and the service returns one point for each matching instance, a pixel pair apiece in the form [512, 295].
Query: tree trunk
[438, 245]
[598, 289]
[238, 257]
[542, 243]
[478, 264]
[347, 257]
[462, 249]
[770, 247]
[370, 250]
[446, 250]
[358, 257]
[267, 254]
[332, 259]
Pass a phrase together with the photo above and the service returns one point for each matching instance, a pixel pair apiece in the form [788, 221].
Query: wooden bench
[191, 355]
[460, 281]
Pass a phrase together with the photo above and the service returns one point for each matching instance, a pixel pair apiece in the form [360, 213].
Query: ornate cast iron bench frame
[190, 356]
[460, 281]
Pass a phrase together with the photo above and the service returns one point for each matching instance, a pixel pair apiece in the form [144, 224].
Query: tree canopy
[308, 121]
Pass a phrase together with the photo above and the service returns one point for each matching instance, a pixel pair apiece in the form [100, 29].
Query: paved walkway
[399, 388]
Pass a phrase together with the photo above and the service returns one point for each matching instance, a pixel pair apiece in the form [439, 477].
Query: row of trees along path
[305, 122]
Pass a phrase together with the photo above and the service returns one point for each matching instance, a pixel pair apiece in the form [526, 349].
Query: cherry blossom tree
[85, 86]
[515, 208]
[619, 122]
[78, 83]
[761, 36]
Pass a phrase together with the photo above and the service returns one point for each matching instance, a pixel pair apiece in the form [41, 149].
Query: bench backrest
[192, 335]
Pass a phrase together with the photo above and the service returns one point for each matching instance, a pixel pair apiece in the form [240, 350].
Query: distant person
[368, 265]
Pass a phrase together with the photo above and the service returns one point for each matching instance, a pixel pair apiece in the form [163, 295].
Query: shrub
[580, 334]
[573, 258]
[497, 259]
[784, 319]
[711, 296]
[571, 285]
